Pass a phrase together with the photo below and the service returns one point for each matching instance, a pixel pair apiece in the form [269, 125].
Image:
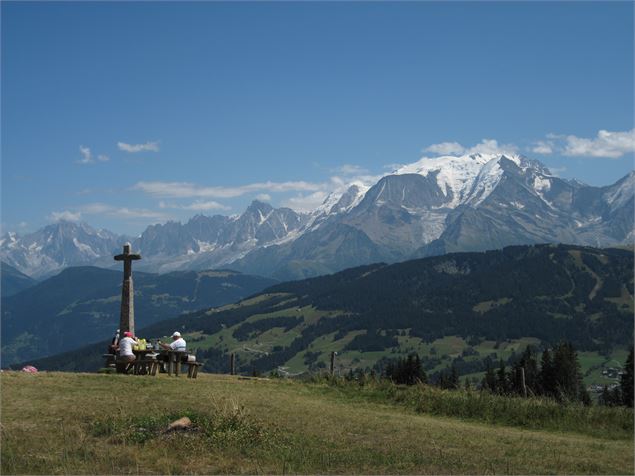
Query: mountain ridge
[13, 281]
[433, 206]
[82, 305]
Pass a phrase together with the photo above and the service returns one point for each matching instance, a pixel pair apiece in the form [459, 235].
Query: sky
[125, 114]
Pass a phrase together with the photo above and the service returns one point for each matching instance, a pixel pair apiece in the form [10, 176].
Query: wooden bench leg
[189, 370]
[195, 372]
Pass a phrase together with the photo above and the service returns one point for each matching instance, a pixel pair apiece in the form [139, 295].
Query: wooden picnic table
[174, 358]
[143, 365]
[149, 366]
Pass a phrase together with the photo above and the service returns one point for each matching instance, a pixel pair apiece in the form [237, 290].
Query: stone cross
[126, 319]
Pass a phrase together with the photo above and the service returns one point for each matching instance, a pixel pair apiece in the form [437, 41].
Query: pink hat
[127, 334]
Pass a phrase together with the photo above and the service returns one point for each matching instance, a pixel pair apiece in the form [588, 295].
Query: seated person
[178, 344]
[114, 344]
[126, 356]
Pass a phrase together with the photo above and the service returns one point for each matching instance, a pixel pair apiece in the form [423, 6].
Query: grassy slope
[48, 427]
[446, 348]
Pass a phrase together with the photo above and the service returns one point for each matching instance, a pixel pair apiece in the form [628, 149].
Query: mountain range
[431, 207]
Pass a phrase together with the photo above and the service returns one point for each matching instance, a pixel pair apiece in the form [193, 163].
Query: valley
[81, 305]
[467, 310]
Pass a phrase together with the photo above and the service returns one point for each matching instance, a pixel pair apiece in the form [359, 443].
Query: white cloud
[133, 148]
[96, 208]
[557, 171]
[610, 145]
[308, 196]
[392, 167]
[491, 146]
[543, 147]
[607, 144]
[121, 212]
[88, 158]
[65, 215]
[446, 148]
[198, 205]
[486, 146]
[190, 190]
[263, 197]
[306, 202]
[337, 184]
[137, 213]
[350, 169]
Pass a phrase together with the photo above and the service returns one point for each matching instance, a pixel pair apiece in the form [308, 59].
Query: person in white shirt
[178, 343]
[126, 356]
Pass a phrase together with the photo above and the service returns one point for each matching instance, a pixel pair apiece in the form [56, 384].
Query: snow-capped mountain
[469, 203]
[210, 242]
[471, 178]
[56, 247]
[433, 206]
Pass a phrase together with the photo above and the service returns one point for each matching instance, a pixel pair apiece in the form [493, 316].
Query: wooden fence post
[522, 381]
[232, 364]
[332, 362]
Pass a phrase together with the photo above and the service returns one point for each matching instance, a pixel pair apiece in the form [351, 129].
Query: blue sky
[125, 114]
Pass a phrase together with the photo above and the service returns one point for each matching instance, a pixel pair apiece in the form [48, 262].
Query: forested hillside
[81, 305]
[464, 308]
[13, 281]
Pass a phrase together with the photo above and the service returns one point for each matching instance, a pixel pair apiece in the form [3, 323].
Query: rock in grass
[181, 424]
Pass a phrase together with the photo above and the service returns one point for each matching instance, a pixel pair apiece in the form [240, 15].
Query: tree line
[555, 374]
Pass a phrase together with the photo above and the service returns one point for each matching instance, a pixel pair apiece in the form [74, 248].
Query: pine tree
[501, 378]
[610, 398]
[454, 377]
[626, 381]
[408, 371]
[389, 370]
[547, 377]
[616, 396]
[529, 365]
[568, 377]
[442, 380]
[421, 376]
[489, 381]
[605, 397]
[585, 398]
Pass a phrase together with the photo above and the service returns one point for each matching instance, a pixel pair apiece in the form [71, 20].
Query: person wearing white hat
[178, 343]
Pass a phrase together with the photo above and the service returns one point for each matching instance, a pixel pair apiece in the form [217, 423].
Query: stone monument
[126, 319]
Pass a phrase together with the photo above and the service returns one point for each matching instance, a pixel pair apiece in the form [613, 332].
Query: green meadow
[73, 423]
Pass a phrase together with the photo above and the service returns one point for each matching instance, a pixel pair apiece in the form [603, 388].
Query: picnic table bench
[147, 363]
[177, 358]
